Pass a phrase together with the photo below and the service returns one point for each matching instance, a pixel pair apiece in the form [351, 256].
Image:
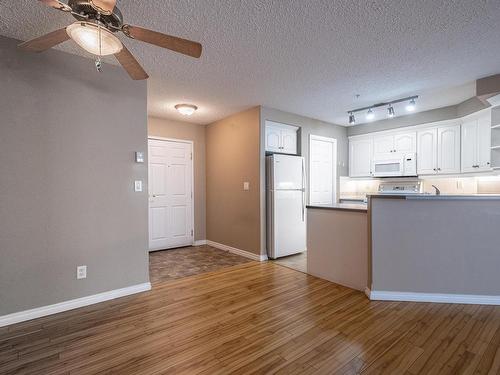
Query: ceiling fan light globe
[86, 35]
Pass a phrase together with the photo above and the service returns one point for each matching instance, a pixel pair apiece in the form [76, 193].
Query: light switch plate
[138, 186]
[139, 157]
[246, 186]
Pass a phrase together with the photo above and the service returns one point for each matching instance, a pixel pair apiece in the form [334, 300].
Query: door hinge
[192, 233]
[191, 155]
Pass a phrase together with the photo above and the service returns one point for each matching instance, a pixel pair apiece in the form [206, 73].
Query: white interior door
[322, 170]
[170, 194]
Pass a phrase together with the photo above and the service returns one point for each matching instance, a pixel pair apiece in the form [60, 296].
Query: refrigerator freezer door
[288, 172]
[289, 223]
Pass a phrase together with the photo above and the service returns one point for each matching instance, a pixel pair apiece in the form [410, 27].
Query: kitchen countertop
[342, 207]
[437, 197]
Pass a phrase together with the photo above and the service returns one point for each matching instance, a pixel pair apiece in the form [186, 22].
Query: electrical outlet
[138, 186]
[81, 272]
[246, 186]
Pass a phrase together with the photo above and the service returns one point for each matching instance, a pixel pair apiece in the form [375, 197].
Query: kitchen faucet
[438, 192]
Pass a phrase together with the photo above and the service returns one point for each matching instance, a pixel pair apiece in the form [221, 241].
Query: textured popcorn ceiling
[303, 56]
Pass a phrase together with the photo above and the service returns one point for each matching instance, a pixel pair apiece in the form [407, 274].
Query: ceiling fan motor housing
[84, 11]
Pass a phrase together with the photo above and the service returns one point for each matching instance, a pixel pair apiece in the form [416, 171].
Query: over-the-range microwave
[404, 165]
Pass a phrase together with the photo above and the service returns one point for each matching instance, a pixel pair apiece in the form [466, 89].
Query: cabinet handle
[439, 169]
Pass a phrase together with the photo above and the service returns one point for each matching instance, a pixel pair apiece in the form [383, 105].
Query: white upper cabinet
[448, 149]
[360, 157]
[405, 142]
[476, 144]
[438, 150]
[281, 138]
[393, 145]
[427, 151]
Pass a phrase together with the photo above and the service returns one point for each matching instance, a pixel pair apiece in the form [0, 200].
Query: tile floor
[171, 264]
[296, 262]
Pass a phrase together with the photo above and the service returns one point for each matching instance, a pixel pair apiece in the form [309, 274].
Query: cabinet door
[383, 147]
[469, 146]
[427, 151]
[449, 149]
[484, 143]
[273, 138]
[289, 141]
[405, 143]
[360, 157]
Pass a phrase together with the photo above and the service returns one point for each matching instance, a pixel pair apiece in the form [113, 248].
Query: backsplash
[352, 188]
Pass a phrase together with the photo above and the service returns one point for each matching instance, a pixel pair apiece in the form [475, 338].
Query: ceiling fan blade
[184, 46]
[59, 5]
[130, 64]
[103, 6]
[46, 41]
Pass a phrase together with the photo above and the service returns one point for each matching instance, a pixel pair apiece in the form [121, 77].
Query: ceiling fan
[94, 31]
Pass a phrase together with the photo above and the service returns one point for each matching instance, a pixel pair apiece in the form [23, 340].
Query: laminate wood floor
[256, 318]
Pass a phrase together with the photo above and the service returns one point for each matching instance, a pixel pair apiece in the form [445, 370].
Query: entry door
[323, 170]
[170, 194]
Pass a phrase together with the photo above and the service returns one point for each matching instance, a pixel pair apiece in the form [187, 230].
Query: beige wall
[196, 133]
[337, 246]
[232, 157]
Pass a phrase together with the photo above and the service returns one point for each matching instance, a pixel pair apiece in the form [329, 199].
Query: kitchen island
[434, 248]
[337, 244]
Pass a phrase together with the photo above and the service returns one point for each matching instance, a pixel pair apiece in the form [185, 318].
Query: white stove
[400, 187]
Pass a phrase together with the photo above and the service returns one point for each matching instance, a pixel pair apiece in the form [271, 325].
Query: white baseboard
[234, 250]
[471, 299]
[200, 242]
[368, 292]
[38, 312]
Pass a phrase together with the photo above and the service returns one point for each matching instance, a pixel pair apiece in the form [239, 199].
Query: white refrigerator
[286, 205]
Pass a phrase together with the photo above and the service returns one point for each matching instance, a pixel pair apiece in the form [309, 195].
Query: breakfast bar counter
[437, 248]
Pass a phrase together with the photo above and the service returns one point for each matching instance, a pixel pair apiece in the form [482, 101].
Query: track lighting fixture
[352, 119]
[411, 106]
[370, 114]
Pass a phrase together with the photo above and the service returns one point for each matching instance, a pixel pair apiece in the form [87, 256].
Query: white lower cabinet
[360, 157]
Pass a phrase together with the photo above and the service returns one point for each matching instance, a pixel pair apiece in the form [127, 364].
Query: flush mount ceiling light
[186, 109]
[94, 39]
[370, 114]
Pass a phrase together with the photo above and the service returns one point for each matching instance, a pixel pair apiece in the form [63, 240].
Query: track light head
[411, 106]
[370, 115]
[352, 119]
[390, 111]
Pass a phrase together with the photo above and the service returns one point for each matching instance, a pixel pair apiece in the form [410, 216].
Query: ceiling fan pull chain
[98, 63]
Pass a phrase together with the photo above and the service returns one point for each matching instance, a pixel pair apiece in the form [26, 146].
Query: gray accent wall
[437, 244]
[67, 142]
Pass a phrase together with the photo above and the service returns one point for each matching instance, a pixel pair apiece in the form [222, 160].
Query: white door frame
[313, 137]
[192, 178]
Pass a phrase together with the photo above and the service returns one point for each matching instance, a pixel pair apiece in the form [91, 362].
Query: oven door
[388, 168]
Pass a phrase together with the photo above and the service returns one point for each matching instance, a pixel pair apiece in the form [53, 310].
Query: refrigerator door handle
[303, 189]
